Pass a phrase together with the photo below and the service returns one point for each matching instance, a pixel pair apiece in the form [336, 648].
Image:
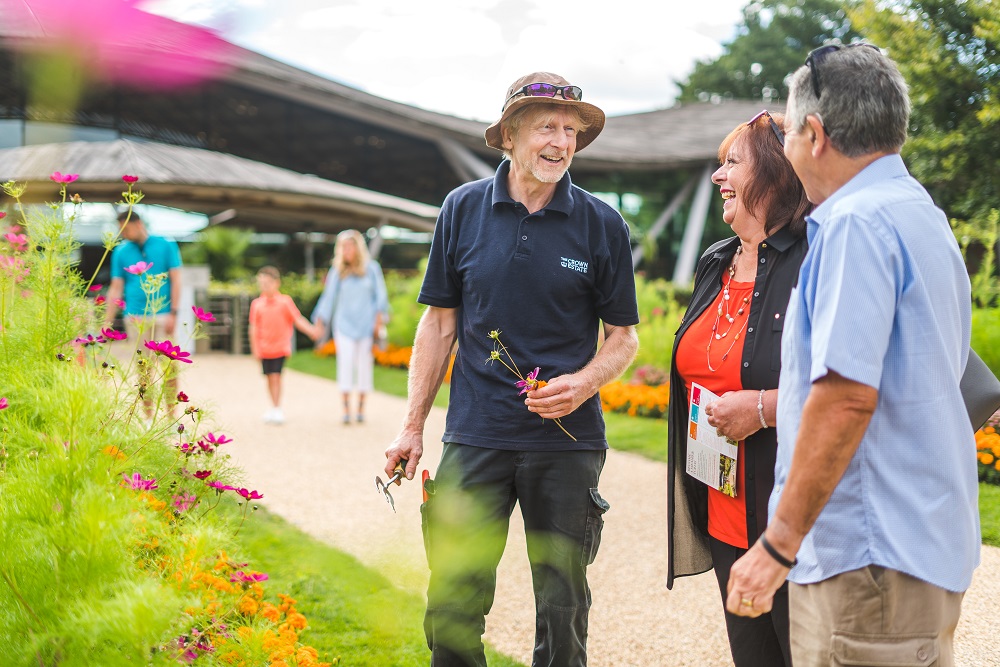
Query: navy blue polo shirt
[546, 281]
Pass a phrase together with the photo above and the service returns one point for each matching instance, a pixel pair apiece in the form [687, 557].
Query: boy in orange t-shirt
[273, 319]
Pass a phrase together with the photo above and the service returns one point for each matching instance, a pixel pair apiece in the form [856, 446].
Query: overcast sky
[459, 56]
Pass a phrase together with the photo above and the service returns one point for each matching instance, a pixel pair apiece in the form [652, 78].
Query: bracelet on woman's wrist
[784, 562]
[760, 408]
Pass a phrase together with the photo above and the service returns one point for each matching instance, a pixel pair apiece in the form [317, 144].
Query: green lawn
[989, 513]
[354, 613]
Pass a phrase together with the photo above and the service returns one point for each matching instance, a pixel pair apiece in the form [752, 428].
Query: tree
[948, 52]
[773, 40]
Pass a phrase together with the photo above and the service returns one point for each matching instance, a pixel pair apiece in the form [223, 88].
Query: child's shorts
[271, 366]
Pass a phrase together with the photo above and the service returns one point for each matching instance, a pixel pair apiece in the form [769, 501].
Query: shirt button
[763, 245]
[922, 654]
[749, 512]
[756, 293]
[762, 260]
[746, 364]
[777, 316]
[750, 330]
[524, 238]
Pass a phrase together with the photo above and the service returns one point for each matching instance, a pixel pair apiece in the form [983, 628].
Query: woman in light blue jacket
[355, 301]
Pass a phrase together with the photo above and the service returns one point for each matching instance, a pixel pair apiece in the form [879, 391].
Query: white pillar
[687, 258]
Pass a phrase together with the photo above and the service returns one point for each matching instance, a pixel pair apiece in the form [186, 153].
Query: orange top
[727, 517]
[273, 321]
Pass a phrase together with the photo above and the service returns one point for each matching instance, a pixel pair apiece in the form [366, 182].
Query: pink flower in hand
[530, 382]
[130, 179]
[139, 268]
[249, 495]
[64, 179]
[203, 314]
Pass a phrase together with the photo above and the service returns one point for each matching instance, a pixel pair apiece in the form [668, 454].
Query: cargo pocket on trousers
[884, 650]
[425, 529]
[595, 524]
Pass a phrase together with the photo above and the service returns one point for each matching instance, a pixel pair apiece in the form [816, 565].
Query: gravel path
[318, 474]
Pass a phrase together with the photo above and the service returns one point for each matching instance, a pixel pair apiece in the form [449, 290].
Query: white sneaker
[269, 416]
[277, 416]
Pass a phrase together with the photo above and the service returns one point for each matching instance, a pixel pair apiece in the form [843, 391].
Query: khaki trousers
[874, 617]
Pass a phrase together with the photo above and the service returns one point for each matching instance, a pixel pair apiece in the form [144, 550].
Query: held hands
[559, 397]
[407, 445]
[734, 415]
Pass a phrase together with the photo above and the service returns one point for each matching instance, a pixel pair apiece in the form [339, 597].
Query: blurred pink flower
[111, 334]
[249, 495]
[202, 314]
[63, 179]
[116, 41]
[96, 288]
[185, 447]
[14, 266]
[219, 486]
[250, 577]
[19, 241]
[120, 303]
[203, 474]
[99, 300]
[130, 179]
[217, 440]
[184, 501]
[2, 215]
[3, 403]
[529, 383]
[137, 483]
[182, 397]
[139, 267]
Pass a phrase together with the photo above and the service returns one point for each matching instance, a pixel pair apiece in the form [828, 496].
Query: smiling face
[730, 177]
[542, 147]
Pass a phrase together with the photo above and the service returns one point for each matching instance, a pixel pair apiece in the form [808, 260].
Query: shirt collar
[882, 169]
[562, 200]
[780, 240]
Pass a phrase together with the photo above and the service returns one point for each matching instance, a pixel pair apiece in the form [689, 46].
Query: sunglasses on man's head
[778, 132]
[574, 93]
[817, 55]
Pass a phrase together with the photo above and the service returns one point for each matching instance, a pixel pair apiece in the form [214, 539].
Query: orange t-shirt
[273, 321]
[727, 517]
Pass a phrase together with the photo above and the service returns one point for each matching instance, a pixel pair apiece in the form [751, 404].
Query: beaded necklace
[716, 335]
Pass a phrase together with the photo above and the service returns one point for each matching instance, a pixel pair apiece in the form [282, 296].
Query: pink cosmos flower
[185, 447]
[182, 397]
[139, 268]
[130, 179]
[217, 440]
[99, 301]
[96, 288]
[89, 340]
[219, 486]
[4, 404]
[64, 179]
[14, 267]
[184, 501]
[137, 483]
[205, 447]
[250, 577]
[2, 215]
[120, 303]
[203, 474]
[111, 334]
[203, 314]
[249, 495]
[529, 383]
[169, 350]
[19, 241]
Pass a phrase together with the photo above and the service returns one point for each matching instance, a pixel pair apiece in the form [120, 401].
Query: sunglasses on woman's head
[816, 56]
[574, 93]
[778, 132]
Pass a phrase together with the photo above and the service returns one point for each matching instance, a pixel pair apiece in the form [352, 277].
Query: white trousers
[354, 363]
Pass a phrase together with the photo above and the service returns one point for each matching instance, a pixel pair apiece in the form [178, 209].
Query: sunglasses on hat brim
[574, 93]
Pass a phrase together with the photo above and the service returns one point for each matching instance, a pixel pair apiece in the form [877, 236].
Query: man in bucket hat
[524, 270]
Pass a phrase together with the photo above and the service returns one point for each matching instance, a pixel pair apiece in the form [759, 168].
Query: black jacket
[779, 258]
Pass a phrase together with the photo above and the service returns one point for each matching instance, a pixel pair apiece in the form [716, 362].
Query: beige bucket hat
[521, 94]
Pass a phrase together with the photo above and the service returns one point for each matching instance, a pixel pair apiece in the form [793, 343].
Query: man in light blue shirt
[875, 484]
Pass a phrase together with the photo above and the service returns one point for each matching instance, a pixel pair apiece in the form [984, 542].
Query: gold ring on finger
[746, 603]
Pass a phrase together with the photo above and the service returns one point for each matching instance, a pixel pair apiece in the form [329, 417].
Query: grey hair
[532, 112]
[863, 104]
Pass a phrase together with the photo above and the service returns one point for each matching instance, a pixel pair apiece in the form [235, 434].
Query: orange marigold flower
[306, 653]
[297, 621]
[248, 605]
[230, 658]
[985, 458]
[278, 663]
[244, 632]
[270, 612]
[989, 430]
[114, 452]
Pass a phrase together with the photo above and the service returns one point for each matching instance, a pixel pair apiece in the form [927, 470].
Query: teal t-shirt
[164, 255]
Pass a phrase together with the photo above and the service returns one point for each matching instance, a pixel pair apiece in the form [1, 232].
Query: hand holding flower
[558, 397]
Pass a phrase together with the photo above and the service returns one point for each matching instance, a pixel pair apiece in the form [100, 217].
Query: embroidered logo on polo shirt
[574, 264]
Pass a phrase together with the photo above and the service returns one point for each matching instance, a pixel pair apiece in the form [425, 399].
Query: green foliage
[989, 513]
[223, 249]
[660, 315]
[404, 311]
[986, 336]
[948, 52]
[982, 234]
[773, 41]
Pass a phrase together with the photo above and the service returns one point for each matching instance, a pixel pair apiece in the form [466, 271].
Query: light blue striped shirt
[883, 299]
[353, 302]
